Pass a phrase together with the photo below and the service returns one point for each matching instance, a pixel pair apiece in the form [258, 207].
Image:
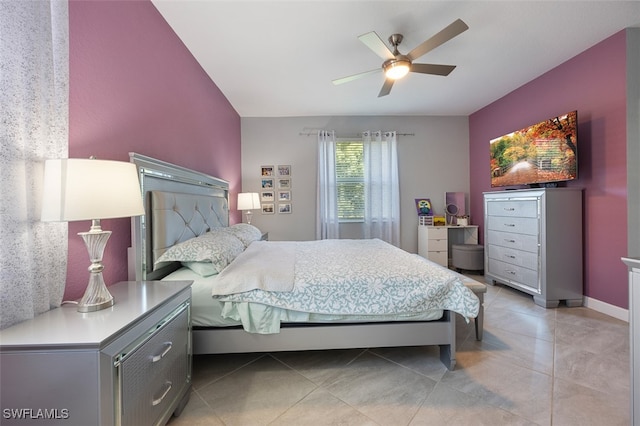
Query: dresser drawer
[155, 373]
[437, 233]
[514, 257]
[518, 225]
[437, 245]
[514, 274]
[515, 241]
[513, 208]
[439, 257]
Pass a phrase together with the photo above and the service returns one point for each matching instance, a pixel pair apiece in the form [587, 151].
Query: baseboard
[607, 309]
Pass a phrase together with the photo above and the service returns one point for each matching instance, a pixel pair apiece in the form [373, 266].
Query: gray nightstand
[129, 364]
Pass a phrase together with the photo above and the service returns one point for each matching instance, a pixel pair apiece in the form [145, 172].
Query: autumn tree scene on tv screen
[541, 153]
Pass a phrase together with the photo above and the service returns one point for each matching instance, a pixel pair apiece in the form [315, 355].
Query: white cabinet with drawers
[125, 365]
[434, 242]
[533, 242]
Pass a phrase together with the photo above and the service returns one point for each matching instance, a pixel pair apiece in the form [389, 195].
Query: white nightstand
[129, 364]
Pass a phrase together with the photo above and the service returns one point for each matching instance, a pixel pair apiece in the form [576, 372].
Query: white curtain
[327, 224]
[34, 100]
[382, 189]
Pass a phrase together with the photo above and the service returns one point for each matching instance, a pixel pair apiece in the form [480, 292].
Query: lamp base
[248, 213]
[96, 296]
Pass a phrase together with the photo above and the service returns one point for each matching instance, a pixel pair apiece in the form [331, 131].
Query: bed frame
[198, 202]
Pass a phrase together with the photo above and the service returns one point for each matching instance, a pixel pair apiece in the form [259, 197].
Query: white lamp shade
[248, 201]
[87, 189]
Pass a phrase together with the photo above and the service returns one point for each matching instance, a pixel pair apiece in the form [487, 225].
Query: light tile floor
[535, 366]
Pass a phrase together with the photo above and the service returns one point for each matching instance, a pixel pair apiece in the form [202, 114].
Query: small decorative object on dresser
[126, 365]
[439, 221]
[533, 242]
[423, 206]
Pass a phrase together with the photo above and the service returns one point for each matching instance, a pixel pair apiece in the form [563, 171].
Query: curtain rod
[315, 133]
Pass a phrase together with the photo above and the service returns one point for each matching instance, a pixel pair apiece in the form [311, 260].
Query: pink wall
[134, 87]
[594, 84]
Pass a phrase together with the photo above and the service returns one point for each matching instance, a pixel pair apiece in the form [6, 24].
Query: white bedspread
[342, 277]
[259, 267]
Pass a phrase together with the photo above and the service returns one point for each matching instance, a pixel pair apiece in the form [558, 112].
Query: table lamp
[88, 189]
[248, 201]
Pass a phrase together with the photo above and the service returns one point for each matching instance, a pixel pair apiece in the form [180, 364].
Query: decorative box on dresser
[634, 330]
[533, 242]
[125, 365]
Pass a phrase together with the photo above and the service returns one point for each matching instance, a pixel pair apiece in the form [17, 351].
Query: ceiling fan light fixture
[396, 69]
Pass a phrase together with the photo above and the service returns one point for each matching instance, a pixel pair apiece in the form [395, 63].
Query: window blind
[350, 180]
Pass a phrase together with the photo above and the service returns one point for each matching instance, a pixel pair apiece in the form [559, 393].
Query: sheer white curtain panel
[34, 76]
[327, 223]
[382, 189]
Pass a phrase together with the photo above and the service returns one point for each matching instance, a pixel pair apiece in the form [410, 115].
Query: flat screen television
[542, 154]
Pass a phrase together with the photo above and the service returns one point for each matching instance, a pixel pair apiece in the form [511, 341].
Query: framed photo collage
[275, 189]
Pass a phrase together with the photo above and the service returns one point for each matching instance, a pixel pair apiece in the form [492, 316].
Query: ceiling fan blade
[432, 69]
[354, 76]
[375, 43]
[442, 37]
[386, 87]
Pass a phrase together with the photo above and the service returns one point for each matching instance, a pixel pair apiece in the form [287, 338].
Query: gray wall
[432, 161]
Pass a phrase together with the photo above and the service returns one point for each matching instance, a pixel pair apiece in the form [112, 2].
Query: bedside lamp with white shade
[88, 189]
[248, 201]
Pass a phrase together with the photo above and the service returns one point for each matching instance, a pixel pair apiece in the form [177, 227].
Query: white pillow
[216, 246]
[204, 269]
[245, 232]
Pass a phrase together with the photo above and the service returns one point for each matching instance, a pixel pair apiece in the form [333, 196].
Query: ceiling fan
[397, 65]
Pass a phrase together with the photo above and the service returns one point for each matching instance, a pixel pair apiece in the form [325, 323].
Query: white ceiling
[277, 58]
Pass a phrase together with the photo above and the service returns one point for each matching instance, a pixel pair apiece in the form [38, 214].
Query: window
[350, 180]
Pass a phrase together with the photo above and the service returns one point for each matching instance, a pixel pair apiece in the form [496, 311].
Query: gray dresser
[125, 365]
[533, 242]
[634, 335]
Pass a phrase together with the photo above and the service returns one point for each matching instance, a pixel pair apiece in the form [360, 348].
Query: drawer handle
[157, 358]
[511, 225]
[168, 384]
[510, 256]
[510, 272]
[509, 209]
[509, 241]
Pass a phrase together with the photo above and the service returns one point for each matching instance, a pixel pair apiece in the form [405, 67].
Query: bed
[184, 208]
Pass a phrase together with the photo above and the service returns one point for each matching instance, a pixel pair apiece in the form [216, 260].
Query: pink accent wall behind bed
[135, 87]
[594, 83]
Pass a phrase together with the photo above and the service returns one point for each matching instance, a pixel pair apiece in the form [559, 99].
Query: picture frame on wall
[284, 183]
[266, 183]
[284, 208]
[284, 170]
[267, 196]
[268, 209]
[267, 171]
[284, 196]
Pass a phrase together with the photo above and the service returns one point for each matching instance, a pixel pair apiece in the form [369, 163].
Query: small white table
[434, 242]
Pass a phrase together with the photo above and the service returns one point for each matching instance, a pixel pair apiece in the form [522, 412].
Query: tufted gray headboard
[179, 204]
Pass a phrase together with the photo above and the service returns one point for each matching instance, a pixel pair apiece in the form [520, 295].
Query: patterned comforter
[342, 277]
